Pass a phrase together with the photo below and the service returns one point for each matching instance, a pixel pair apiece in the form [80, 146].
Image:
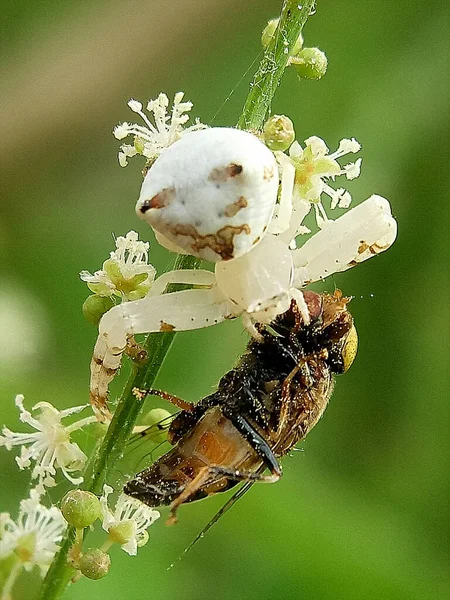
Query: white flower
[49, 447]
[34, 537]
[128, 524]
[126, 273]
[313, 166]
[150, 140]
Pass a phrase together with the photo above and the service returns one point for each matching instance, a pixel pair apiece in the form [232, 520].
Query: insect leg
[175, 400]
[256, 441]
[286, 396]
[208, 475]
[197, 483]
[244, 475]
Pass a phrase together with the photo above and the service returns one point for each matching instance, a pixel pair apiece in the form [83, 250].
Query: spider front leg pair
[231, 291]
[185, 310]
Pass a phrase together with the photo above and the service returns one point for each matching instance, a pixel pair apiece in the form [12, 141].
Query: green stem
[128, 407]
[266, 80]
[11, 580]
[271, 68]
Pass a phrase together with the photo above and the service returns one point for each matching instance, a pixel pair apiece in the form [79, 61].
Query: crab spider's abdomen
[211, 193]
[259, 279]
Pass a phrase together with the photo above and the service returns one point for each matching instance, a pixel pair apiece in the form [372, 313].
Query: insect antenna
[234, 498]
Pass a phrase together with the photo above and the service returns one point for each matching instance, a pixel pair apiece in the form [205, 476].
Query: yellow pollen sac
[350, 348]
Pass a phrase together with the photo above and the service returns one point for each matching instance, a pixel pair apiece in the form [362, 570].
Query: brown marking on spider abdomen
[220, 175]
[232, 209]
[159, 200]
[221, 242]
[269, 172]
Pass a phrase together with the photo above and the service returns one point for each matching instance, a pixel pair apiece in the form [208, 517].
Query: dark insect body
[261, 409]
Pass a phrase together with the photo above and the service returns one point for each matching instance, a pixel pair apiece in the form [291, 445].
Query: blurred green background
[360, 512]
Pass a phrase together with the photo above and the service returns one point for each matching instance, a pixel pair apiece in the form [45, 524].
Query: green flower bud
[310, 63]
[95, 307]
[159, 420]
[98, 430]
[95, 563]
[80, 508]
[269, 32]
[123, 532]
[279, 132]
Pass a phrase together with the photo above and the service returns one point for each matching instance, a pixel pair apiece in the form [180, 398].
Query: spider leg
[187, 276]
[283, 211]
[362, 232]
[178, 311]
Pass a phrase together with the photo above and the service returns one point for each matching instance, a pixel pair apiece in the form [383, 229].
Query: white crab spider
[257, 285]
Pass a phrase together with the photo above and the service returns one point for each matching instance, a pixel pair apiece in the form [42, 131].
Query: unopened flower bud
[80, 508]
[269, 32]
[94, 307]
[95, 563]
[123, 532]
[158, 419]
[98, 429]
[279, 132]
[310, 63]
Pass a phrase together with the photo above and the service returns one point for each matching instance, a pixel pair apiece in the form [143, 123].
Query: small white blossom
[129, 521]
[153, 138]
[126, 273]
[49, 448]
[352, 170]
[313, 165]
[127, 152]
[34, 537]
[135, 106]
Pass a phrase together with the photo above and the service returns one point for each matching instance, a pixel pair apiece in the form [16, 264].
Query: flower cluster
[313, 166]
[126, 273]
[150, 140]
[48, 448]
[127, 525]
[34, 537]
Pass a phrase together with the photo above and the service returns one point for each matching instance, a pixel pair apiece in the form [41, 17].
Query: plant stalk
[257, 105]
[271, 68]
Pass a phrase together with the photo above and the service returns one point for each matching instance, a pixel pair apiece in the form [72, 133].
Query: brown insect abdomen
[213, 441]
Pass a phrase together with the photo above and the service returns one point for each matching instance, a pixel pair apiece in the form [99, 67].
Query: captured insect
[265, 405]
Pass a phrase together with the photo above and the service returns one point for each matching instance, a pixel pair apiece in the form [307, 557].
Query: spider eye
[349, 349]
